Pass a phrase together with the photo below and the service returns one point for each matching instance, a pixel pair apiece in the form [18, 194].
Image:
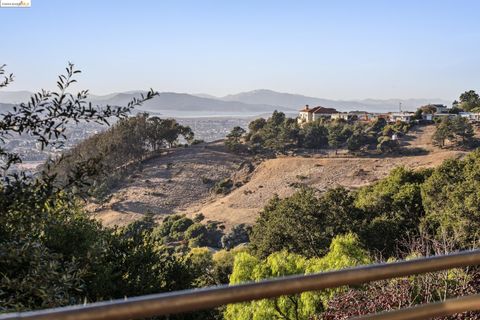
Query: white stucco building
[308, 114]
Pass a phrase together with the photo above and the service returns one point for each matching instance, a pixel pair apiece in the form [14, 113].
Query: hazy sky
[330, 49]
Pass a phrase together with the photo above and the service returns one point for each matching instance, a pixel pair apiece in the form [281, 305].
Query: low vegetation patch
[223, 186]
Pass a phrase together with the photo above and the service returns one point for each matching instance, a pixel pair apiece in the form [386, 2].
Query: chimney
[306, 106]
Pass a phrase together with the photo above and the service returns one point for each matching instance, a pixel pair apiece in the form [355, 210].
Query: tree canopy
[458, 131]
[345, 251]
[279, 133]
[308, 222]
[469, 101]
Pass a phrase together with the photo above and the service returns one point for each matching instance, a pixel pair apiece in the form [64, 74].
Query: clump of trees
[423, 110]
[279, 134]
[182, 233]
[114, 152]
[441, 203]
[457, 131]
[392, 209]
[451, 202]
[308, 222]
[233, 140]
[468, 101]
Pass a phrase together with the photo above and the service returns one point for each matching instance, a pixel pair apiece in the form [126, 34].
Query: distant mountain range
[296, 101]
[242, 104]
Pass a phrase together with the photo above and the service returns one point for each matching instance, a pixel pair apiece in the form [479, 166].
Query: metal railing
[427, 311]
[192, 300]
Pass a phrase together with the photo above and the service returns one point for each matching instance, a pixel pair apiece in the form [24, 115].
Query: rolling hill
[182, 104]
[251, 103]
[191, 173]
[170, 104]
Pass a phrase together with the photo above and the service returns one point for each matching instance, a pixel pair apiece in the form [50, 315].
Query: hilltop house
[401, 116]
[466, 115]
[308, 114]
[427, 116]
[440, 108]
[475, 117]
[344, 116]
[362, 115]
[439, 115]
[471, 116]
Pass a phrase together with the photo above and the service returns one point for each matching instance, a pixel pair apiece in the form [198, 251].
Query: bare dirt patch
[169, 184]
[283, 176]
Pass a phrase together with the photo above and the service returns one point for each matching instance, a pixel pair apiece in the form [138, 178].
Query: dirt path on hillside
[421, 137]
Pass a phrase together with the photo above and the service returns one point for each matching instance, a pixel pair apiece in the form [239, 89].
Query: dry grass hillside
[176, 183]
[169, 184]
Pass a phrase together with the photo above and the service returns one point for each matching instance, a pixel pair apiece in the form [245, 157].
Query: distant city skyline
[342, 50]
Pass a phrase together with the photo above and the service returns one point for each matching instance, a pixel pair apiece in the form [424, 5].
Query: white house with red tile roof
[308, 114]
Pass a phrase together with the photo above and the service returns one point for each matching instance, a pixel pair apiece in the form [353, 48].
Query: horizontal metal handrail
[427, 311]
[191, 300]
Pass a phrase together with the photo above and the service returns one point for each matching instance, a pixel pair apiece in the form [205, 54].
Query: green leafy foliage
[35, 277]
[469, 101]
[387, 145]
[345, 251]
[233, 141]
[178, 229]
[209, 268]
[304, 223]
[50, 244]
[335, 136]
[452, 202]
[315, 135]
[239, 234]
[393, 207]
[223, 186]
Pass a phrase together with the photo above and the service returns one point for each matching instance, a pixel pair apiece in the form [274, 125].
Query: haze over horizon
[342, 50]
